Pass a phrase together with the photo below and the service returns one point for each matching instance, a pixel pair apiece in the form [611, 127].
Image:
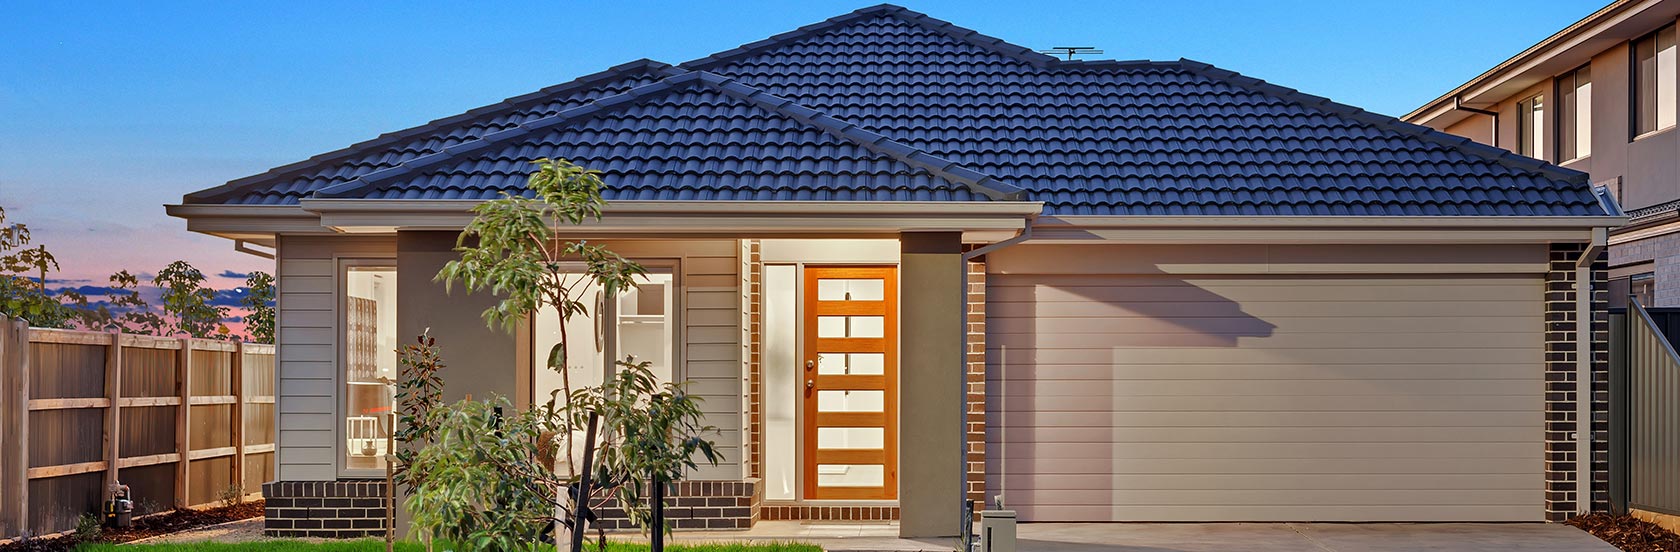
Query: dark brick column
[1562, 389]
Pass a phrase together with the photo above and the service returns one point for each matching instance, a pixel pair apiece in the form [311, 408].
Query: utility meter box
[997, 531]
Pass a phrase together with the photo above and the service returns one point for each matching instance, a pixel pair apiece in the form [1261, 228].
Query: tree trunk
[581, 506]
[656, 542]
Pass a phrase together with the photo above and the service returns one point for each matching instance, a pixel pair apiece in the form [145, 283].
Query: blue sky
[109, 110]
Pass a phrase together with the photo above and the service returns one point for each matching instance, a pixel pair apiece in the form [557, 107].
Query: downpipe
[1583, 370]
[966, 524]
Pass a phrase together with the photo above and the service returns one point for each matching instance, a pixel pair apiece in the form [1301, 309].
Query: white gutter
[1583, 369]
[243, 246]
[721, 207]
[1024, 235]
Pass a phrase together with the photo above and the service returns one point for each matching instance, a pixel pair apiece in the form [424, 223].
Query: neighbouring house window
[1642, 288]
[1575, 114]
[370, 363]
[1654, 81]
[1531, 126]
[781, 373]
[1637, 287]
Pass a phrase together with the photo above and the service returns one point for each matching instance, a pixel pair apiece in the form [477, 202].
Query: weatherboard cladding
[1086, 138]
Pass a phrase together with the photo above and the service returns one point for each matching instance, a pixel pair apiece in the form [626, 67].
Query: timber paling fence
[183, 422]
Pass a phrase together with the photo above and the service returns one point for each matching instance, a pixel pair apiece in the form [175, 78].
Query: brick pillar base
[355, 508]
[700, 505]
[352, 508]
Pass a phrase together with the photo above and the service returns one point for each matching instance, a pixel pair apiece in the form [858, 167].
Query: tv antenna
[1071, 51]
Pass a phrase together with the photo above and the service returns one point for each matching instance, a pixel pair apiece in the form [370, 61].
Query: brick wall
[356, 508]
[976, 373]
[1562, 389]
[828, 513]
[700, 505]
[330, 509]
[1663, 252]
[752, 297]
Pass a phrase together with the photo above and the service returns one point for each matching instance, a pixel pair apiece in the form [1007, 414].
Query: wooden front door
[851, 383]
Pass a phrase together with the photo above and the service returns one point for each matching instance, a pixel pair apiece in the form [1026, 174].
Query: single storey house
[907, 264]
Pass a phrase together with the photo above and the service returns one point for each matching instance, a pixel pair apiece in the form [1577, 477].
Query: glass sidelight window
[370, 363]
[781, 373]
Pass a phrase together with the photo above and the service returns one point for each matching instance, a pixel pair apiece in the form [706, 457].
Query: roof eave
[1437, 112]
[1300, 230]
[641, 218]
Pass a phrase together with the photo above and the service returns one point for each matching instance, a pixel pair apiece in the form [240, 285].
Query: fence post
[237, 374]
[14, 457]
[183, 444]
[113, 414]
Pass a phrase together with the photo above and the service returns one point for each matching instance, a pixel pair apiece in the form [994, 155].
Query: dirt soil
[1628, 533]
[149, 526]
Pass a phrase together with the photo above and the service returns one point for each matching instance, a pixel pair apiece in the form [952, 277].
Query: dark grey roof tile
[888, 104]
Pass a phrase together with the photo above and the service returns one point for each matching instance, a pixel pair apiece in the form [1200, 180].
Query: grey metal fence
[1645, 419]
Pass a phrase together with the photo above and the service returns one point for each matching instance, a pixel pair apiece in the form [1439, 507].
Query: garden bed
[144, 527]
[1628, 533]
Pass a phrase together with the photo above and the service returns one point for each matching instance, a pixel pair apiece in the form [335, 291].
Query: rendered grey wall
[931, 384]
[480, 360]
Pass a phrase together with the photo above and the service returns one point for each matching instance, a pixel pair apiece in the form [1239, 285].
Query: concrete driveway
[866, 536]
[1306, 537]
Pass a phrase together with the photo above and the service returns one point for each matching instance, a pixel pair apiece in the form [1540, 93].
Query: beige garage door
[1266, 398]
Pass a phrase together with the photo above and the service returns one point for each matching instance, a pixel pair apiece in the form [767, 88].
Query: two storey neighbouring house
[1598, 96]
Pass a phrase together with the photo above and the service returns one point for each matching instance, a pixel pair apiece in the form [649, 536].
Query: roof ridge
[1464, 145]
[962, 34]
[977, 182]
[1063, 65]
[514, 102]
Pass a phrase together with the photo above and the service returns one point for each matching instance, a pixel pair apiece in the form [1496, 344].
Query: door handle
[810, 364]
[810, 384]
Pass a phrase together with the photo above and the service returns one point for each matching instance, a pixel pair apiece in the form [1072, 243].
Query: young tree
[480, 491]
[23, 279]
[259, 300]
[653, 431]
[521, 256]
[187, 301]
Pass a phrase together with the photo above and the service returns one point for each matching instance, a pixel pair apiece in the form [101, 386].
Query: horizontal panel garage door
[1266, 398]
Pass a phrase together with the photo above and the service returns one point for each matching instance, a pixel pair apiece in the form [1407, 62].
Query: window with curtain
[1654, 81]
[1575, 114]
[370, 364]
[1531, 126]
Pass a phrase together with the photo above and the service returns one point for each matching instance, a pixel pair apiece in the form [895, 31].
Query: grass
[374, 545]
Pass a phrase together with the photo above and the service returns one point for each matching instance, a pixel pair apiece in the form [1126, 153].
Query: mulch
[149, 526]
[1628, 533]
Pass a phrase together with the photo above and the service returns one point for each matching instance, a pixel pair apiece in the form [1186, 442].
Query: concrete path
[244, 530]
